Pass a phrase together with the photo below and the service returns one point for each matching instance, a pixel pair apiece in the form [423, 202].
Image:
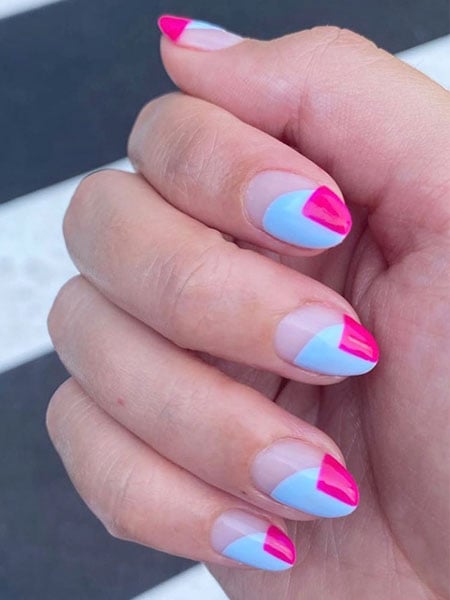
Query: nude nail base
[303, 477]
[321, 339]
[252, 541]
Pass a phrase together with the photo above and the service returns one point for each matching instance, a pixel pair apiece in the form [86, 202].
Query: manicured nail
[196, 34]
[294, 210]
[322, 339]
[253, 541]
[303, 477]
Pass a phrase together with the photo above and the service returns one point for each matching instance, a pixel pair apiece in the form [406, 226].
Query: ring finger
[225, 433]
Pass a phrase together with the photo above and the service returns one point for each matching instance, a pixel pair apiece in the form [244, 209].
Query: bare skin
[352, 117]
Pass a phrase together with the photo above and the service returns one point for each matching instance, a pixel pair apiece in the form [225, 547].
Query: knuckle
[181, 393]
[325, 55]
[332, 37]
[61, 311]
[123, 519]
[322, 50]
[150, 113]
[52, 414]
[85, 197]
[196, 142]
[56, 409]
[117, 527]
[112, 485]
[192, 284]
[191, 130]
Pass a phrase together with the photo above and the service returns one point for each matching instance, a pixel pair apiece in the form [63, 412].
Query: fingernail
[196, 34]
[303, 477]
[253, 541]
[322, 339]
[294, 210]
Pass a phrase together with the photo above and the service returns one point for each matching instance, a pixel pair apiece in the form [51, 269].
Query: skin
[193, 368]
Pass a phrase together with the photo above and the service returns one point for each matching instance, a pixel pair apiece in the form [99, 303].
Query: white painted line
[194, 584]
[9, 8]
[33, 266]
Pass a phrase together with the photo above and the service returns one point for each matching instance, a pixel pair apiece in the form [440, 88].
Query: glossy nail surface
[253, 541]
[321, 339]
[196, 34]
[303, 477]
[290, 209]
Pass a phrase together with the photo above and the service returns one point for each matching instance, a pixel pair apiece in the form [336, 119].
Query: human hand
[179, 343]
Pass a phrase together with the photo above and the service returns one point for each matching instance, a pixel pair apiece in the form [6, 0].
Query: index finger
[372, 122]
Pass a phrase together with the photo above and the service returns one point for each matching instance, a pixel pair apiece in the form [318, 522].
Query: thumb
[379, 127]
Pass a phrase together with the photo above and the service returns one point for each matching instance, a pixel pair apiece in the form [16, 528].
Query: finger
[180, 406]
[203, 293]
[369, 120]
[141, 497]
[236, 178]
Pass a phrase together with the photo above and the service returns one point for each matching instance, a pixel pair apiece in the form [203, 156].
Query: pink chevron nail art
[250, 539]
[327, 209]
[196, 34]
[358, 341]
[324, 340]
[337, 482]
[279, 545]
[307, 218]
[303, 477]
[172, 26]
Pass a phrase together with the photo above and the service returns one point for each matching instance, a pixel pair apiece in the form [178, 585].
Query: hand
[190, 423]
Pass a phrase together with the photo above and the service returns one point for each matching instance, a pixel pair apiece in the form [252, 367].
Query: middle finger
[206, 294]
[236, 178]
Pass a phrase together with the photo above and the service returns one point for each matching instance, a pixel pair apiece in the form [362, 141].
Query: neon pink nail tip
[173, 27]
[358, 341]
[337, 482]
[279, 545]
[325, 208]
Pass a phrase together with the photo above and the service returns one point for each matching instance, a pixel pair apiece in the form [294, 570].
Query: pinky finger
[142, 497]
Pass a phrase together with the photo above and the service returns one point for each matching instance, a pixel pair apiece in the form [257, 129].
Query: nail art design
[322, 340]
[271, 550]
[301, 476]
[196, 34]
[325, 491]
[309, 218]
[344, 349]
[253, 541]
[173, 26]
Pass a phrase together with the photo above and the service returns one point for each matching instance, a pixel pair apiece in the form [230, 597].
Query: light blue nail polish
[323, 355]
[250, 550]
[284, 219]
[300, 491]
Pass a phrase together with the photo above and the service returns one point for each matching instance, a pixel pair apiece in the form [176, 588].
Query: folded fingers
[223, 432]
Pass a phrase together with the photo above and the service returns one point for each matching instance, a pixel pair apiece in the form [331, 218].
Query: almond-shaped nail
[196, 34]
[297, 211]
[321, 339]
[253, 541]
[302, 476]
